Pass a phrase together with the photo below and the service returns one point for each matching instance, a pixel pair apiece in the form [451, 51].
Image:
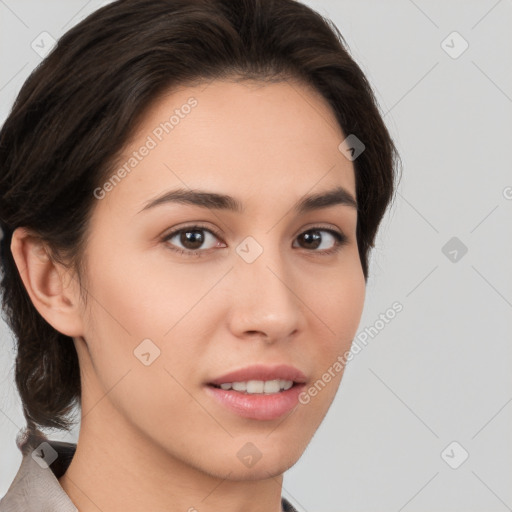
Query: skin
[150, 437]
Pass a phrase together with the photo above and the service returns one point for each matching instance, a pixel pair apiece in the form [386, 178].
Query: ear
[53, 290]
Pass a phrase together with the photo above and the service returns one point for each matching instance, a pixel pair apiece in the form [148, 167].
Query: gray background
[438, 372]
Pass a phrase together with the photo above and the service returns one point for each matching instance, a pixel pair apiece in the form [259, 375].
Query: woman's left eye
[192, 238]
[312, 237]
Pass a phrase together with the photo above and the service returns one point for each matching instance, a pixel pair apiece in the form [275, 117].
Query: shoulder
[35, 487]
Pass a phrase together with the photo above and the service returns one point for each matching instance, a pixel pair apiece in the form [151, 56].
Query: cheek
[339, 309]
[138, 309]
[340, 302]
[141, 297]
[135, 318]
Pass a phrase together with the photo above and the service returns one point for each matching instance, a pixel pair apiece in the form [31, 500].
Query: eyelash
[340, 240]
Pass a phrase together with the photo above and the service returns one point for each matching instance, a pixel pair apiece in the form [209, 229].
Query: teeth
[239, 386]
[271, 386]
[256, 386]
[286, 384]
[259, 386]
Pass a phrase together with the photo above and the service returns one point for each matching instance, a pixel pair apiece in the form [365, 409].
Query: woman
[190, 191]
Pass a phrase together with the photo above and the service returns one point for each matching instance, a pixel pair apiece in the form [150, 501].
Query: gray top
[35, 487]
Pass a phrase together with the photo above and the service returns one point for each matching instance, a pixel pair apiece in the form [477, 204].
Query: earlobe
[48, 284]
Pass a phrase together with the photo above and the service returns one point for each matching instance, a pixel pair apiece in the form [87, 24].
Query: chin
[250, 463]
[260, 471]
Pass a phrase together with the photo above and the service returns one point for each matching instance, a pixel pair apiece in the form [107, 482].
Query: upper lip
[262, 372]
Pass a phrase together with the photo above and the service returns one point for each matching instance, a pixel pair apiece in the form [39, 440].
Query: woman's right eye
[192, 238]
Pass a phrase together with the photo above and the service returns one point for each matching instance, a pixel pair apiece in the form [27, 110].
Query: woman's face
[170, 313]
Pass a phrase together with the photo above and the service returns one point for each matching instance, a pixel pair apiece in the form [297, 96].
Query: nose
[265, 302]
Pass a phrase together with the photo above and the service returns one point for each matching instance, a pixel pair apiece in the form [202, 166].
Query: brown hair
[80, 106]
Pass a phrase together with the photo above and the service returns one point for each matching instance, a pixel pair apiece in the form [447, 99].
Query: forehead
[254, 139]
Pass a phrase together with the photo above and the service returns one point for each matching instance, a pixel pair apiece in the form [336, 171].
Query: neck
[117, 468]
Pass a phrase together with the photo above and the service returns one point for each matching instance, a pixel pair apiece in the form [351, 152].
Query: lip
[257, 406]
[262, 372]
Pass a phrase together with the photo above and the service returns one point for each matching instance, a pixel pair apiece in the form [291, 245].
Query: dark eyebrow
[217, 201]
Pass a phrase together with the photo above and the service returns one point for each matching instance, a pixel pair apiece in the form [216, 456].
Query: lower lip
[257, 406]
